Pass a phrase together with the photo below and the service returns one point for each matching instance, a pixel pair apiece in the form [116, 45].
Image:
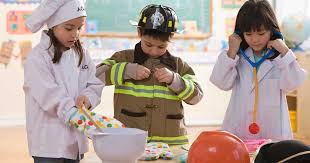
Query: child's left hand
[163, 75]
[82, 100]
[279, 45]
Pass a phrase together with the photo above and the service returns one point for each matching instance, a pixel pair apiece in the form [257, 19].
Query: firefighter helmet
[158, 17]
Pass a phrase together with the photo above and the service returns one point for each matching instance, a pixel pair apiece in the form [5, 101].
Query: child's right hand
[136, 71]
[142, 72]
[234, 41]
[82, 100]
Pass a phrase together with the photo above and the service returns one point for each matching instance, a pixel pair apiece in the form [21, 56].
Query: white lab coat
[50, 91]
[276, 78]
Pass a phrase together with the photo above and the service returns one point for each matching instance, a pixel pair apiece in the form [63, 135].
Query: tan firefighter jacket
[148, 104]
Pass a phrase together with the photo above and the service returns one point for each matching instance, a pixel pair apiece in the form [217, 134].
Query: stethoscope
[254, 127]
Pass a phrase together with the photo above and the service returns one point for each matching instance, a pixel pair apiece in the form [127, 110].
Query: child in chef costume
[59, 79]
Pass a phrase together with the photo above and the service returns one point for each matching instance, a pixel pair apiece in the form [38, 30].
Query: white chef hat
[54, 12]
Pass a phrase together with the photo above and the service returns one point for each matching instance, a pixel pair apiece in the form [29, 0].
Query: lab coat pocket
[271, 124]
[269, 112]
[50, 137]
[270, 93]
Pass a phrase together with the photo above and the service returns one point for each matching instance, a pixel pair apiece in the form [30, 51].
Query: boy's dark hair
[252, 16]
[156, 34]
[58, 48]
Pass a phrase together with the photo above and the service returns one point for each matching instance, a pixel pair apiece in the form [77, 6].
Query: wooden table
[177, 150]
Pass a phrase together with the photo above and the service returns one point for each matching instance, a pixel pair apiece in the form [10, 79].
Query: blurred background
[206, 24]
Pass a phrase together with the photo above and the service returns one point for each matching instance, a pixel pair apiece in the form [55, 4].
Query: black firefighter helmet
[286, 151]
[158, 17]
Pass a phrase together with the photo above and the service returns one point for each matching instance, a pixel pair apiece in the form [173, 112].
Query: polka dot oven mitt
[157, 150]
[83, 124]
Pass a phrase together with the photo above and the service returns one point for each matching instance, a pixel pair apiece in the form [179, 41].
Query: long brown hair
[252, 15]
[58, 48]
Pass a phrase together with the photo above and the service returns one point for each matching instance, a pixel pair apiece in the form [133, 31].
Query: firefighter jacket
[148, 104]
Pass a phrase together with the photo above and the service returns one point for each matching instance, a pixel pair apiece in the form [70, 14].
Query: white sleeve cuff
[130, 71]
[227, 61]
[284, 61]
[177, 84]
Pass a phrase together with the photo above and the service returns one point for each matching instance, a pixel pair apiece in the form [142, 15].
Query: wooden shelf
[292, 94]
[299, 103]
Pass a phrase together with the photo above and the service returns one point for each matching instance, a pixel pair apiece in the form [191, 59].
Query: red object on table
[218, 147]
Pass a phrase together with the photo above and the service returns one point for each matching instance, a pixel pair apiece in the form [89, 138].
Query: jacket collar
[45, 43]
[140, 57]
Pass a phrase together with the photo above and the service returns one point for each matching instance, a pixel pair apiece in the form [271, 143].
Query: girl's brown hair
[58, 48]
[253, 15]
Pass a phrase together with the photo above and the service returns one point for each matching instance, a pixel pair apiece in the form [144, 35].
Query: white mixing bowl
[119, 145]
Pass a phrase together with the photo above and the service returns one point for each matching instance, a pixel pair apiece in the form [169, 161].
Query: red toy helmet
[218, 147]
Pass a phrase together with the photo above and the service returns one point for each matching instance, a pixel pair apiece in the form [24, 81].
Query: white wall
[286, 8]
[4, 8]
[11, 77]
[209, 111]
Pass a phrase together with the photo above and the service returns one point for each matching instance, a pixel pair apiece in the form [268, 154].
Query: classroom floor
[13, 144]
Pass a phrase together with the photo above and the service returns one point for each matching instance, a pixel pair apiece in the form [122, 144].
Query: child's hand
[234, 41]
[142, 73]
[279, 45]
[163, 75]
[77, 118]
[82, 100]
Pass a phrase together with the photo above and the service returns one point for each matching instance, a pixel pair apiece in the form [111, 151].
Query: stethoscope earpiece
[278, 34]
